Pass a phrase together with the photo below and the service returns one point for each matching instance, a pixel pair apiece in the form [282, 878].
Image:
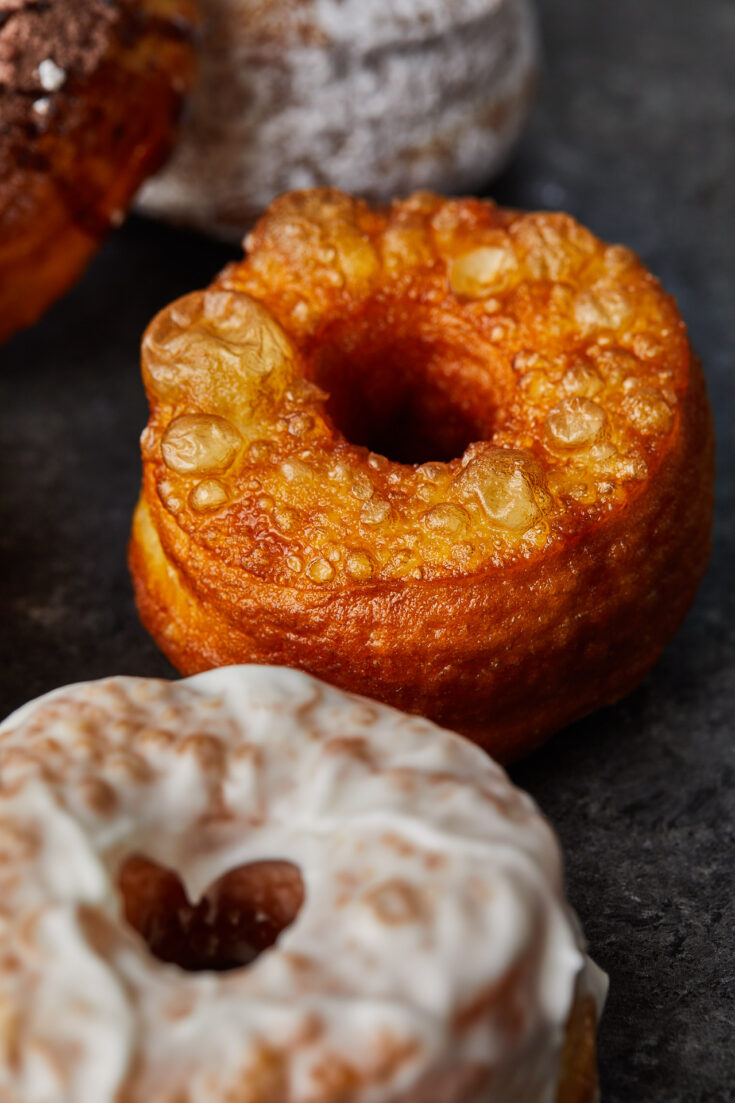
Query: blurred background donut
[375, 98]
[90, 92]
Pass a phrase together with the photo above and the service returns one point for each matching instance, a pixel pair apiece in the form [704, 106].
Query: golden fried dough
[453, 457]
[578, 1078]
[89, 96]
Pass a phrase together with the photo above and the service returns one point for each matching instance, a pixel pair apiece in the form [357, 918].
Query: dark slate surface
[634, 133]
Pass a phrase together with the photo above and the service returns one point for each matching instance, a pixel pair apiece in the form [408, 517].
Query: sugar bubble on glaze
[575, 422]
[506, 484]
[197, 444]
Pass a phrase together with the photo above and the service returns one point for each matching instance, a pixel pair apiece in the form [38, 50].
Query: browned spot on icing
[154, 739]
[402, 779]
[396, 902]
[393, 1053]
[10, 1035]
[352, 747]
[469, 1081]
[99, 796]
[180, 1005]
[311, 1029]
[249, 752]
[264, 1077]
[502, 1001]
[129, 766]
[299, 963]
[399, 844]
[17, 843]
[208, 751]
[337, 1079]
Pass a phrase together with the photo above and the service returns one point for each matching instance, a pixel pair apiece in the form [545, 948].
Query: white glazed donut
[377, 98]
[433, 959]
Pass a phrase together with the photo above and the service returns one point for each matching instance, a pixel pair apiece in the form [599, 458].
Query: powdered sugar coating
[375, 98]
[434, 952]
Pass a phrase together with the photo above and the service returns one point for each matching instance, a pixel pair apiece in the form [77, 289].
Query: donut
[90, 92]
[378, 98]
[449, 456]
[249, 886]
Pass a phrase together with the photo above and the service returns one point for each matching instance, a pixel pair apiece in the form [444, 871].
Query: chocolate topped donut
[42, 46]
[89, 95]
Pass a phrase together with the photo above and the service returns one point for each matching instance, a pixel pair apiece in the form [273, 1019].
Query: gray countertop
[634, 134]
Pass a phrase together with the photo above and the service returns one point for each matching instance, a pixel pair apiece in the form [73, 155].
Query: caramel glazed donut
[452, 457]
[90, 91]
[380, 98]
[420, 947]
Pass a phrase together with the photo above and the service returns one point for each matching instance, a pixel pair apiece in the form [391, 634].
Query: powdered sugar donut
[375, 98]
[420, 946]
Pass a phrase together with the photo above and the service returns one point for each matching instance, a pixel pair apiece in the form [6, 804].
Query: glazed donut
[89, 94]
[449, 456]
[378, 98]
[410, 900]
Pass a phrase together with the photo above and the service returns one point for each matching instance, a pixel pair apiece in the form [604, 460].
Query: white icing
[375, 98]
[429, 881]
[51, 75]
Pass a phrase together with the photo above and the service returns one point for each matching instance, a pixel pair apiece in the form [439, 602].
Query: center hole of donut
[237, 918]
[410, 395]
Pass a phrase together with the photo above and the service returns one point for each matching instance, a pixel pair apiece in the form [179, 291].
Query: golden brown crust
[91, 99]
[502, 588]
[578, 1077]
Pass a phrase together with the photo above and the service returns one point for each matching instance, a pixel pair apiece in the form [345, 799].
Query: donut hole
[401, 389]
[238, 917]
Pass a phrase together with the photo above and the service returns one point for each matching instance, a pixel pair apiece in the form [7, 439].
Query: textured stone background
[634, 133]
